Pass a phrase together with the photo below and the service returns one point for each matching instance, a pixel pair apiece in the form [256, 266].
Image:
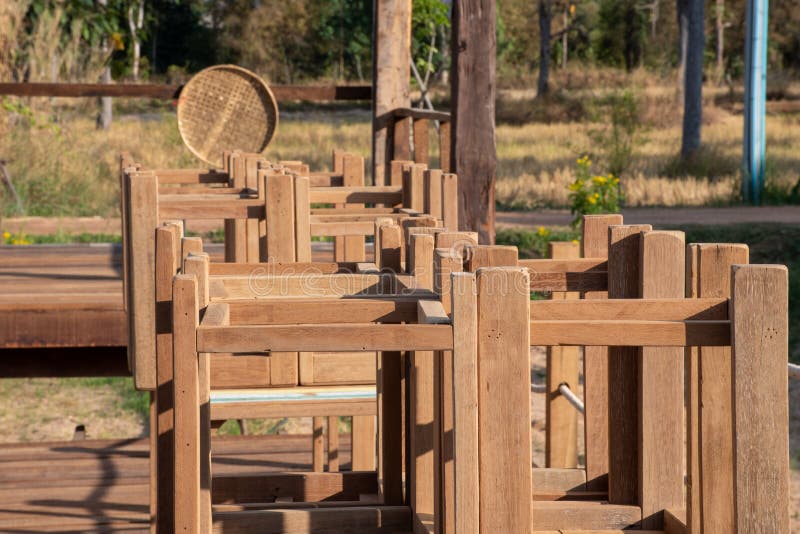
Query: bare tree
[545, 19]
[693, 79]
[135, 24]
[104, 118]
[720, 27]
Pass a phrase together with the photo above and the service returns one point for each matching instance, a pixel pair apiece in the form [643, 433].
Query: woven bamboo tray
[226, 107]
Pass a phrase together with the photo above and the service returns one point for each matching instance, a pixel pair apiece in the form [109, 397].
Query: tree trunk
[693, 88]
[720, 23]
[135, 24]
[565, 39]
[545, 18]
[683, 43]
[654, 18]
[104, 118]
[473, 92]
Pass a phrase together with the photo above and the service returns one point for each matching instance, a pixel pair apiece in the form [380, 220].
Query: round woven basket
[226, 107]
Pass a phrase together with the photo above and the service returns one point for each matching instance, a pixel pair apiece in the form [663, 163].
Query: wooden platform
[61, 311]
[102, 485]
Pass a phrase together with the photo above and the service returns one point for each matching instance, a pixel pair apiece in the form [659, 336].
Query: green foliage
[592, 194]
[533, 244]
[621, 33]
[617, 139]
[429, 28]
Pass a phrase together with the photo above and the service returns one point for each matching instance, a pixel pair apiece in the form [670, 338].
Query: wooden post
[504, 408]
[561, 437]
[450, 202]
[351, 248]
[760, 336]
[465, 403]
[713, 489]
[414, 187]
[473, 90]
[391, 57]
[433, 192]
[421, 147]
[402, 138]
[421, 264]
[445, 156]
[187, 402]
[692, 370]
[391, 248]
[662, 275]
[446, 262]
[161, 456]
[250, 170]
[420, 434]
[594, 244]
[623, 282]
[302, 219]
[363, 441]
[142, 223]
[279, 208]
[333, 444]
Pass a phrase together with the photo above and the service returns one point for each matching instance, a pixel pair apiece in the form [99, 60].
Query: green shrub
[592, 194]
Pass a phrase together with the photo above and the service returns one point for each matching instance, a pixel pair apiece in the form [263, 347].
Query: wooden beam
[473, 92]
[391, 53]
[363, 519]
[162, 91]
[631, 333]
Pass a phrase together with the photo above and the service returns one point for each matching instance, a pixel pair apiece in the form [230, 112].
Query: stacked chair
[433, 337]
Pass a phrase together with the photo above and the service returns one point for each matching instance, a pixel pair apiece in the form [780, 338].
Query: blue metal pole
[755, 97]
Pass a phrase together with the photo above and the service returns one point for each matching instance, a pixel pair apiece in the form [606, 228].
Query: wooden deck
[102, 485]
[61, 311]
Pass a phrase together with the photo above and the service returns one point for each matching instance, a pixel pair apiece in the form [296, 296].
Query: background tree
[693, 79]
[545, 22]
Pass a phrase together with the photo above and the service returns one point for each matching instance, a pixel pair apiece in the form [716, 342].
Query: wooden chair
[330, 322]
[649, 335]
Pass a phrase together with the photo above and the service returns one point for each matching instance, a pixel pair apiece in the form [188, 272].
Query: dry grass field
[62, 165]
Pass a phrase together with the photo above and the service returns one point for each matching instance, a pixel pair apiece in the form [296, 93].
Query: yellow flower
[6, 235]
[614, 181]
[543, 232]
[599, 180]
[572, 9]
[592, 200]
[576, 241]
[576, 186]
[596, 196]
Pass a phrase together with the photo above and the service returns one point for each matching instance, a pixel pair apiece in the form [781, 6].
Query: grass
[63, 166]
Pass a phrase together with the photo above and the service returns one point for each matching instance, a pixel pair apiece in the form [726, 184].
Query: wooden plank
[250, 169]
[464, 372]
[583, 516]
[327, 337]
[561, 437]
[323, 407]
[390, 309]
[715, 398]
[420, 433]
[473, 52]
[760, 329]
[401, 138]
[504, 399]
[623, 282]
[238, 227]
[661, 481]
[186, 407]
[317, 445]
[675, 522]
[414, 187]
[491, 256]
[333, 444]
[391, 239]
[301, 487]
[390, 195]
[594, 244]
[364, 442]
[144, 207]
[701, 309]
[171, 92]
[632, 333]
[390, 417]
[366, 519]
